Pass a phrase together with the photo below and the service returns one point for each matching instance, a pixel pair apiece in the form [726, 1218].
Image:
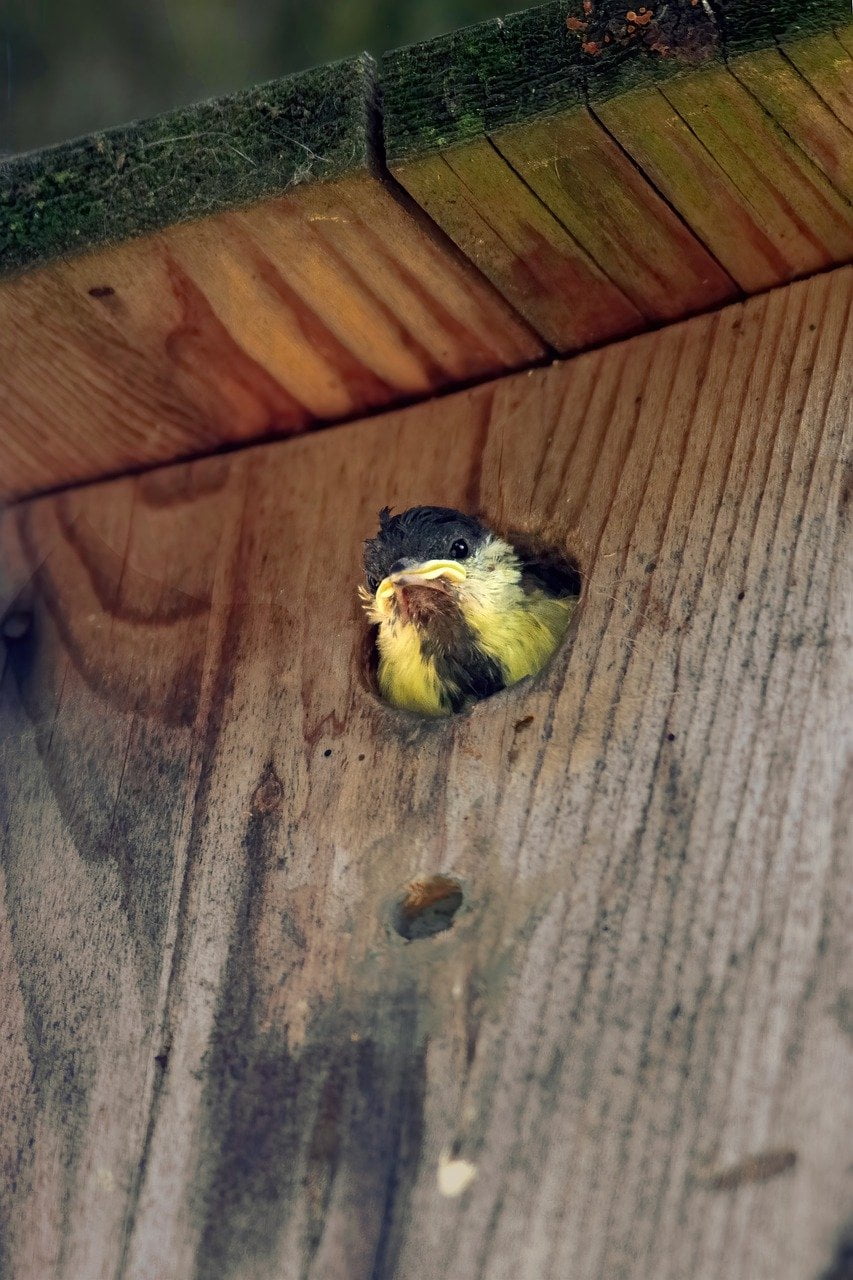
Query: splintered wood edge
[202, 159]
[561, 55]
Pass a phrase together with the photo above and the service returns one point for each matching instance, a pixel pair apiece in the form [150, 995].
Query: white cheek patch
[495, 576]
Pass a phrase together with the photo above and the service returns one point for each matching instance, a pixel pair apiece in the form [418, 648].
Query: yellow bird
[461, 613]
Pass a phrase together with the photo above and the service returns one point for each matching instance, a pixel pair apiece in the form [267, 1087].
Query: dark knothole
[427, 906]
[16, 624]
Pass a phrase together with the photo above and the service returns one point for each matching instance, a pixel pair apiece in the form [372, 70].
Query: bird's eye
[459, 550]
[372, 581]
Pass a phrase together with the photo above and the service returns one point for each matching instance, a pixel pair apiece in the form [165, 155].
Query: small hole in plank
[427, 906]
[16, 624]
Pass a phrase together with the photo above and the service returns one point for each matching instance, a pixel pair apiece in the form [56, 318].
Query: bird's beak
[431, 573]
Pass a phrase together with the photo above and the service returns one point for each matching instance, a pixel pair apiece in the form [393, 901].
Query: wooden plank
[483, 204]
[752, 196]
[311, 291]
[818, 113]
[188, 163]
[628, 1055]
[645, 123]
[593, 188]
[825, 63]
[690, 190]
[329, 302]
[101, 697]
[521, 81]
[804, 214]
[767, 190]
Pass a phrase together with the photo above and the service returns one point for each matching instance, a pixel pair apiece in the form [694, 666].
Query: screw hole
[16, 624]
[427, 906]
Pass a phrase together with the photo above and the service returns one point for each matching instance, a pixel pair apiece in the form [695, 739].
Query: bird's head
[429, 562]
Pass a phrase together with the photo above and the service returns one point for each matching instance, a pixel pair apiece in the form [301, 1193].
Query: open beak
[432, 573]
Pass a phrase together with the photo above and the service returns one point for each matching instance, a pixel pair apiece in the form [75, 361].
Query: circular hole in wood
[548, 574]
[16, 624]
[427, 906]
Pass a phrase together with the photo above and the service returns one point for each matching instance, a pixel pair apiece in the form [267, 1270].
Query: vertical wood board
[628, 1055]
[106, 602]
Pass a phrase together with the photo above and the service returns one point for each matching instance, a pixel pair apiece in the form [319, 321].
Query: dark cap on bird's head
[417, 536]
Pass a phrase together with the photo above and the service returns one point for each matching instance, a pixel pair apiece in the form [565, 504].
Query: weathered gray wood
[104, 652]
[630, 1055]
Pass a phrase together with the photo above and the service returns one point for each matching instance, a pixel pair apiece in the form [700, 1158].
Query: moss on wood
[479, 79]
[749, 24]
[194, 161]
[554, 57]
[474, 82]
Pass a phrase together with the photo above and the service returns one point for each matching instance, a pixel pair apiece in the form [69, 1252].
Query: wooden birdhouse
[298, 984]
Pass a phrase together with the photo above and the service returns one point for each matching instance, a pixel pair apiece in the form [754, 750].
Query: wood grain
[592, 187]
[808, 90]
[200, 159]
[558, 218]
[99, 706]
[521, 246]
[665, 161]
[799, 206]
[576, 174]
[631, 1053]
[768, 209]
[327, 303]
[767, 190]
[826, 65]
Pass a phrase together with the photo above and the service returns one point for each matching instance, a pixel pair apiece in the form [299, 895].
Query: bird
[461, 612]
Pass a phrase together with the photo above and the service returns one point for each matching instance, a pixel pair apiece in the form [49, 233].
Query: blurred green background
[70, 66]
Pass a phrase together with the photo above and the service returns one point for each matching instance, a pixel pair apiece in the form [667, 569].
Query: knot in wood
[268, 794]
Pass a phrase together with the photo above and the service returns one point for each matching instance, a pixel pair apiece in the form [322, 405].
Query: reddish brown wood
[325, 304]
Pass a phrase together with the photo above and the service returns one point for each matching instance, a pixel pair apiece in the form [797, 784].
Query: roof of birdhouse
[363, 235]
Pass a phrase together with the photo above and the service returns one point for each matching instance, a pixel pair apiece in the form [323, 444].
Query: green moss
[477, 80]
[199, 160]
[552, 58]
[748, 24]
[319, 124]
